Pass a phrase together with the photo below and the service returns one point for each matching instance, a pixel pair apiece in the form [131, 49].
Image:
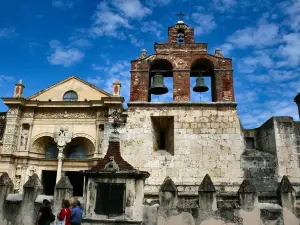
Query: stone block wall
[207, 139]
[279, 137]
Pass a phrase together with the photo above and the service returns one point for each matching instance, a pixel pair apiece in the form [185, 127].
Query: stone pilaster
[12, 130]
[181, 86]
[207, 195]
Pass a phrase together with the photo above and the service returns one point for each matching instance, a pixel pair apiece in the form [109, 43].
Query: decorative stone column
[63, 190]
[6, 187]
[286, 194]
[247, 196]
[32, 188]
[168, 194]
[61, 137]
[207, 195]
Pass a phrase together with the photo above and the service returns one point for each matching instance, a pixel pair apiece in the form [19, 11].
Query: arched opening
[70, 96]
[161, 81]
[180, 36]
[46, 146]
[79, 148]
[203, 70]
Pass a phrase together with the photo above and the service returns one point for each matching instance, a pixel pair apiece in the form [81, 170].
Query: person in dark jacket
[76, 212]
[44, 214]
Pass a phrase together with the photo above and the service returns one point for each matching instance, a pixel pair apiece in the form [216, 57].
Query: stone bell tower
[181, 58]
[182, 139]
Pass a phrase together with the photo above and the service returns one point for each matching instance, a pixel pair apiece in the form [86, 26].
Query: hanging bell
[200, 85]
[158, 86]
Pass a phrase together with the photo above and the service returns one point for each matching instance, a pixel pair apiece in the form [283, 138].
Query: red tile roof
[2, 124]
[113, 150]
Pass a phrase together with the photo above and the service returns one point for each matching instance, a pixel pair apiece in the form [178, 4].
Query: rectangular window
[110, 199]
[163, 133]
[250, 143]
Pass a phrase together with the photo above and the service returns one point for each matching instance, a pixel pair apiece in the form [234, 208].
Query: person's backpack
[52, 217]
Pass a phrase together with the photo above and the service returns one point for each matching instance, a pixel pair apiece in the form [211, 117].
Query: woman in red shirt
[65, 213]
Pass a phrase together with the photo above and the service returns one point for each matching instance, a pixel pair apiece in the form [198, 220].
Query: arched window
[70, 96]
[77, 152]
[180, 37]
[51, 151]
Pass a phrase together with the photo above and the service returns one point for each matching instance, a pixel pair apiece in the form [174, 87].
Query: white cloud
[131, 8]
[293, 10]
[251, 63]
[64, 55]
[289, 51]
[135, 42]
[262, 35]
[107, 22]
[224, 5]
[5, 78]
[110, 72]
[80, 42]
[153, 27]
[62, 4]
[226, 49]
[8, 32]
[204, 23]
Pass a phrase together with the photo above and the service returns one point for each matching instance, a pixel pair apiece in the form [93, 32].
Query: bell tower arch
[181, 58]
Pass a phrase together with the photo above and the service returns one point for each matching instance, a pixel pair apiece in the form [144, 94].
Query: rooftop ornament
[116, 116]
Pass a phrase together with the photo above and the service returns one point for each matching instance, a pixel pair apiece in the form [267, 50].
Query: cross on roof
[180, 15]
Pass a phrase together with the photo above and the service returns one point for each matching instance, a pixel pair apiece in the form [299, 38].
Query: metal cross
[115, 115]
[180, 15]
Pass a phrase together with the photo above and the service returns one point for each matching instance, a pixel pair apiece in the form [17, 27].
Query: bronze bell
[200, 85]
[158, 86]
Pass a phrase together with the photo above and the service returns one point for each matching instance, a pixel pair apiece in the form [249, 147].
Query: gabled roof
[66, 80]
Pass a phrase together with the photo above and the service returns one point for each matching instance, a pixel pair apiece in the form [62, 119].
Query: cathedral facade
[65, 131]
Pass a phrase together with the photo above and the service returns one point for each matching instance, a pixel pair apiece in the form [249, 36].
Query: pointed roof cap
[207, 185]
[64, 183]
[285, 185]
[33, 181]
[247, 187]
[5, 179]
[168, 185]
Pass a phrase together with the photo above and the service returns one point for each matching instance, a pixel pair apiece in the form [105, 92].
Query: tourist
[45, 215]
[76, 212]
[64, 216]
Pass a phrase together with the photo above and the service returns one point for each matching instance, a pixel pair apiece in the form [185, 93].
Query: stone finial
[218, 53]
[5, 179]
[19, 88]
[285, 186]
[116, 88]
[247, 187]
[207, 185]
[33, 182]
[168, 185]
[64, 183]
[143, 54]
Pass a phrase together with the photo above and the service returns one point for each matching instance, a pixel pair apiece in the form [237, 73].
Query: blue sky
[43, 42]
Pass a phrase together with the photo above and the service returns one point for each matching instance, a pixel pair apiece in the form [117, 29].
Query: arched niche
[163, 67]
[79, 148]
[45, 146]
[206, 69]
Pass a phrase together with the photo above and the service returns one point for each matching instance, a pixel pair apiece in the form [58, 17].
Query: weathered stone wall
[207, 139]
[286, 147]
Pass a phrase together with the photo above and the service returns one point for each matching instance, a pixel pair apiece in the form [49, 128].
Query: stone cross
[62, 137]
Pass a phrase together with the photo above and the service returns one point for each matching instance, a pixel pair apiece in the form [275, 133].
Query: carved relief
[10, 128]
[28, 114]
[13, 112]
[61, 114]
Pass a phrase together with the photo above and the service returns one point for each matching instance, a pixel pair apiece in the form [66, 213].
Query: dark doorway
[76, 179]
[110, 199]
[48, 181]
